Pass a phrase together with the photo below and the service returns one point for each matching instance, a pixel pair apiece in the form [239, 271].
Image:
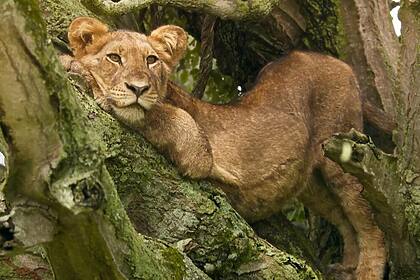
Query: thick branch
[225, 9]
[408, 95]
[206, 55]
[61, 194]
[371, 48]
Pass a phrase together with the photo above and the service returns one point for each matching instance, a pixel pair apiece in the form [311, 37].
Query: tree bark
[63, 197]
[222, 8]
[59, 190]
[65, 191]
[392, 182]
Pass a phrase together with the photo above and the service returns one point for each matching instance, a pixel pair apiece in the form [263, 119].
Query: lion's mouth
[143, 102]
[121, 99]
[147, 101]
[132, 114]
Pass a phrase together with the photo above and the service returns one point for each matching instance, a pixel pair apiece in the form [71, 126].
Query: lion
[265, 149]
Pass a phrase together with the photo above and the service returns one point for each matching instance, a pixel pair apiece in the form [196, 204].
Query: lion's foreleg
[177, 134]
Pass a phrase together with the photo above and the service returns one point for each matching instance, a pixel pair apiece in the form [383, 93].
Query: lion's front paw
[66, 61]
[72, 65]
[103, 103]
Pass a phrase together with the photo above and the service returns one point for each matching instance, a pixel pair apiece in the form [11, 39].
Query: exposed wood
[371, 49]
[378, 118]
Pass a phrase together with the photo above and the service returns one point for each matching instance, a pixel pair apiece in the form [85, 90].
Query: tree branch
[60, 192]
[408, 96]
[393, 196]
[225, 9]
[206, 55]
[373, 51]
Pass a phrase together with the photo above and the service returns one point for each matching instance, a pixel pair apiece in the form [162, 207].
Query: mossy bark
[231, 9]
[58, 189]
[394, 195]
[388, 75]
[60, 148]
[392, 182]
[67, 187]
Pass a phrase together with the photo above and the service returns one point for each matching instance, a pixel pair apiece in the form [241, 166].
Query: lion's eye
[151, 59]
[113, 57]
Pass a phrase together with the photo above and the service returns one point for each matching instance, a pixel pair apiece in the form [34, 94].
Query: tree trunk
[62, 196]
[392, 182]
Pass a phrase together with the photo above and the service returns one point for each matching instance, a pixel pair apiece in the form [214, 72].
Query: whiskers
[148, 100]
[123, 104]
[121, 98]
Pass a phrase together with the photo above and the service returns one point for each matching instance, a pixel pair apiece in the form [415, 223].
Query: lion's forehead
[129, 43]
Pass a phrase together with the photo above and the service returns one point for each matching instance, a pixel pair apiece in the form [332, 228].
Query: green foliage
[220, 88]
[295, 212]
[187, 71]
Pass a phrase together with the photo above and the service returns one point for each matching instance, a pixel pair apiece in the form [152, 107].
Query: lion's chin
[132, 115]
[147, 102]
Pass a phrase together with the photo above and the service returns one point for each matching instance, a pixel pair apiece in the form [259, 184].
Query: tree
[63, 196]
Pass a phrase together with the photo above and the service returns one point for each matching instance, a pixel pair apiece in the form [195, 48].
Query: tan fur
[265, 149]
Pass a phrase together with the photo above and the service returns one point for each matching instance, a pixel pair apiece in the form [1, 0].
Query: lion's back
[322, 90]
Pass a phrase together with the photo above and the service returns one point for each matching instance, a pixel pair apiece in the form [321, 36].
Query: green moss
[7, 272]
[412, 212]
[59, 19]
[324, 26]
[175, 262]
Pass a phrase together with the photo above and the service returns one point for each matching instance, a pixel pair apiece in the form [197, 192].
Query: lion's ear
[84, 34]
[170, 42]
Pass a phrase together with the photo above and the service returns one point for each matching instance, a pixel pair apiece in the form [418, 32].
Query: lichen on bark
[233, 9]
[38, 103]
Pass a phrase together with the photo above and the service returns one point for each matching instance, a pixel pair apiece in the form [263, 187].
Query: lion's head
[127, 71]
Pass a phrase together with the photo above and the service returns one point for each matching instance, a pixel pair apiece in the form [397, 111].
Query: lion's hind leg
[322, 201]
[372, 257]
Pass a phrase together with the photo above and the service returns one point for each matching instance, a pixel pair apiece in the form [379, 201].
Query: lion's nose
[138, 90]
